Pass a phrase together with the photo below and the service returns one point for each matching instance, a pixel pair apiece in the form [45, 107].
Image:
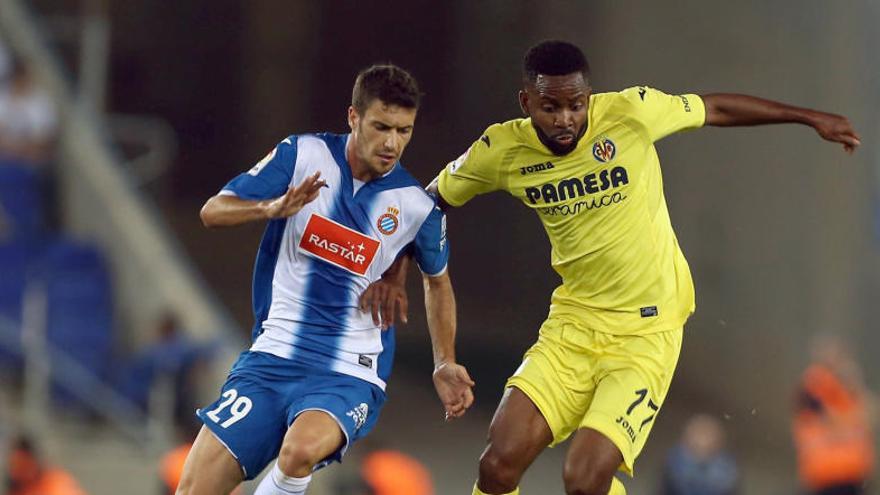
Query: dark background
[778, 226]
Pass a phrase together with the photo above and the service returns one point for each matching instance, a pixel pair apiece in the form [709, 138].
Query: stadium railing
[46, 364]
[101, 202]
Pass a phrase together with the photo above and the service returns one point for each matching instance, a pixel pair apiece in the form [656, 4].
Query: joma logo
[538, 167]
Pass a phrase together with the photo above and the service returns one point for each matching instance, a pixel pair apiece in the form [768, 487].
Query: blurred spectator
[28, 119]
[29, 475]
[172, 358]
[390, 472]
[171, 468]
[171, 464]
[832, 432]
[385, 471]
[699, 464]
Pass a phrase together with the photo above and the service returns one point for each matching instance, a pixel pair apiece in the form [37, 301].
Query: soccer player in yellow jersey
[605, 356]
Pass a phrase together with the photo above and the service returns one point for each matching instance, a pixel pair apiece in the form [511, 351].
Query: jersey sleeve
[475, 172]
[663, 114]
[430, 249]
[269, 178]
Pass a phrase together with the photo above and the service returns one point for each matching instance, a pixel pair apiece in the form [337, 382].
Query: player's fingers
[305, 187]
[374, 304]
[465, 377]
[850, 142]
[403, 302]
[310, 180]
[288, 203]
[388, 309]
[294, 196]
[468, 398]
[311, 184]
[311, 197]
[457, 412]
[362, 300]
[317, 185]
[310, 194]
[465, 397]
[455, 409]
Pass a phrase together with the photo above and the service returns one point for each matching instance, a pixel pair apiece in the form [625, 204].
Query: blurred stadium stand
[79, 305]
[73, 297]
[20, 208]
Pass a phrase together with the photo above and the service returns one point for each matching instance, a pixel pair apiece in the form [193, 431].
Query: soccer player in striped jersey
[586, 164]
[339, 210]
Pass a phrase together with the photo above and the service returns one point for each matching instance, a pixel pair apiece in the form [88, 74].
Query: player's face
[558, 108]
[379, 137]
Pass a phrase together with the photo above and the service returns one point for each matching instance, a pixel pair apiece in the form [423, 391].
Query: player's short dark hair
[389, 83]
[554, 58]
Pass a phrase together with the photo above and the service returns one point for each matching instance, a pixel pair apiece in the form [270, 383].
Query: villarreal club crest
[604, 150]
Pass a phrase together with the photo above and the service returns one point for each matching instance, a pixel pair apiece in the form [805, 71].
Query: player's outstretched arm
[451, 380]
[724, 109]
[434, 190]
[388, 294]
[227, 211]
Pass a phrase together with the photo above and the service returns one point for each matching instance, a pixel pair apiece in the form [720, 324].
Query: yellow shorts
[614, 384]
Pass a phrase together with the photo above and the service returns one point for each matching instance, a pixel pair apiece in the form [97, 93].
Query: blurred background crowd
[119, 313]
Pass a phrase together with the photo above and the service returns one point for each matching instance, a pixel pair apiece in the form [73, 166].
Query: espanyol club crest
[604, 150]
[388, 222]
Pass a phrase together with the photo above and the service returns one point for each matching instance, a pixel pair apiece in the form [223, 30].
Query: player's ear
[524, 102]
[352, 117]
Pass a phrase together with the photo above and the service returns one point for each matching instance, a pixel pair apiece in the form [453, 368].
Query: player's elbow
[209, 215]
[717, 110]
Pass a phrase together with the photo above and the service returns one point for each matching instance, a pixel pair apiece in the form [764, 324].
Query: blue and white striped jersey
[312, 267]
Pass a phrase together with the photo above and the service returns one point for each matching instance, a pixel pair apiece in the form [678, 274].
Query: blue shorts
[265, 393]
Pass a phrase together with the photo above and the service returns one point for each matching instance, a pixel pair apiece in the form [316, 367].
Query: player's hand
[295, 198]
[837, 129]
[387, 295]
[381, 298]
[453, 386]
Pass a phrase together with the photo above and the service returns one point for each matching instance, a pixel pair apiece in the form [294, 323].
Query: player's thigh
[637, 373]
[250, 418]
[592, 457]
[558, 379]
[314, 435]
[344, 408]
[210, 468]
[518, 431]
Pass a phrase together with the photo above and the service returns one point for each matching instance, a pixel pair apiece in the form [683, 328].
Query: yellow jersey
[602, 206]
